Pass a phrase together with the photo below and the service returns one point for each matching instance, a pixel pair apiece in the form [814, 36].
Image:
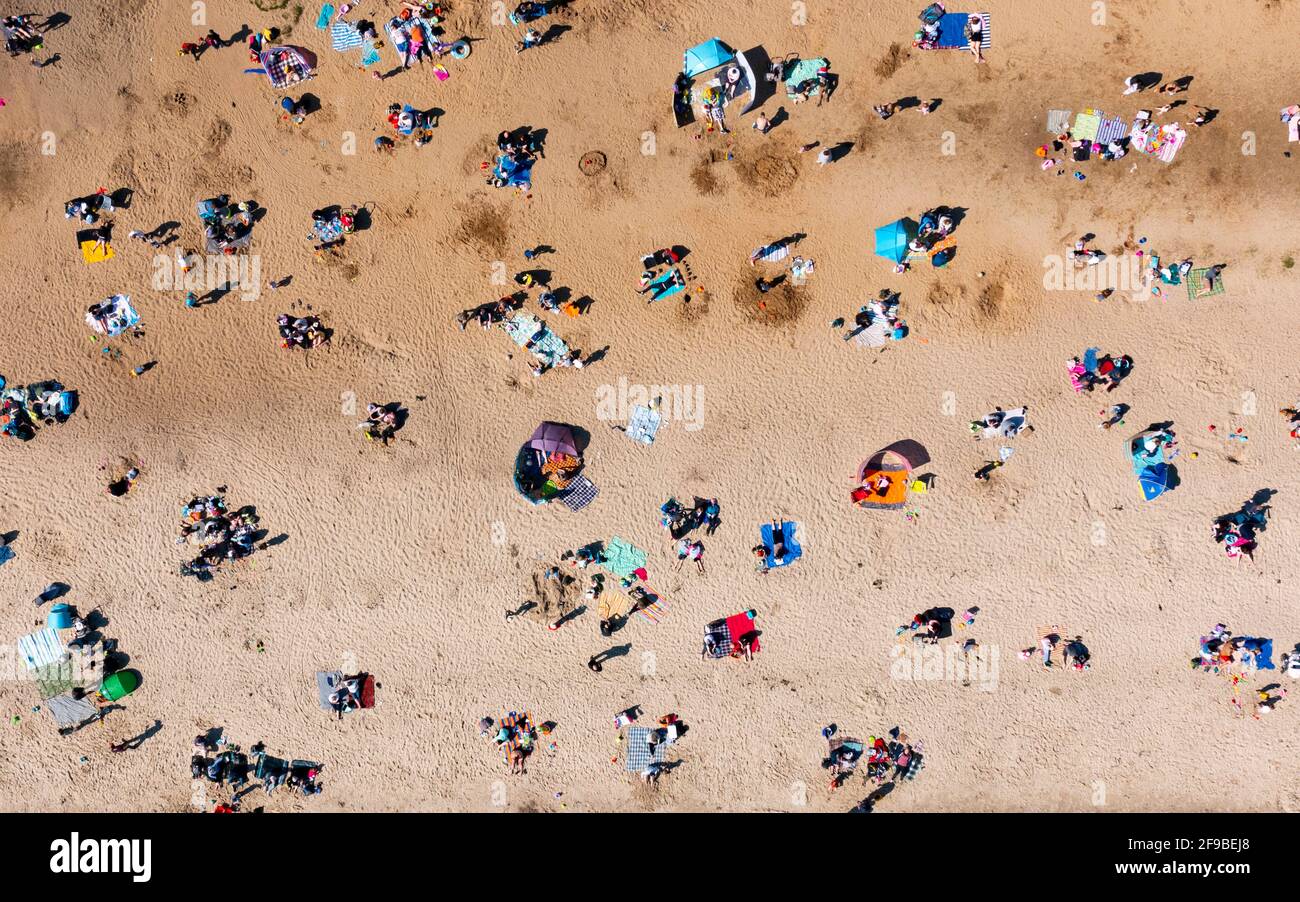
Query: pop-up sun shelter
[547, 463]
[884, 480]
[892, 239]
[724, 73]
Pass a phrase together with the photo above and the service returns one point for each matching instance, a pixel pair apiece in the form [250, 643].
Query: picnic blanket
[622, 558]
[1109, 130]
[119, 317]
[952, 32]
[803, 71]
[728, 633]
[1086, 125]
[1196, 284]
[582, 491]
[792, 550]
[1057, 121]
[643, 424]
[1166, 143]
[637, 755]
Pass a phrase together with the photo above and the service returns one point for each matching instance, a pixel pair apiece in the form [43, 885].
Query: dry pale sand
[402, 560]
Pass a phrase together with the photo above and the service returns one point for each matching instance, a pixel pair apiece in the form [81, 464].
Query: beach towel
[326, 683]
[326, 13]
[1258, 653]
[86, 240]
[643, 424]
[952, 32]
[549, 348]
[344, 36]
[522, 327]
[667, 284]
[369, 55]
[41, 649]
[637, 756]
[517, 724]
[418, 27]
[582, 491]
[1057, 121]
[803, 71]
[69, 712]
[771, 253]
[1196, 285]
[119, 317]
[875, 335]
[1086, 125]
[622, 558]
[792, 550]
[1110, 130]
[1167, 142]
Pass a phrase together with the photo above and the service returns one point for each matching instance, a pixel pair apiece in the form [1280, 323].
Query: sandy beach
[400, 560]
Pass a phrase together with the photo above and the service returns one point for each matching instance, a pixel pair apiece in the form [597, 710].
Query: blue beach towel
[952, 32]
[344, 36]
[792, 550]
[326, 13]
[643, 424]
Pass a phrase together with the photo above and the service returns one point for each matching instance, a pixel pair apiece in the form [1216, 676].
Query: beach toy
[460, 50]
[119, 685]
[60, 617]
[1079, 175]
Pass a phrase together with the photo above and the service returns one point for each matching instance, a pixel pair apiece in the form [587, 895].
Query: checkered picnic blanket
[582, 491]
[344, 36]
[726, 637]
[1196, 284]
[637, 756]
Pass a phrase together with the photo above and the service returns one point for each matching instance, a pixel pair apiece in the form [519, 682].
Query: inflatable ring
[460, 50]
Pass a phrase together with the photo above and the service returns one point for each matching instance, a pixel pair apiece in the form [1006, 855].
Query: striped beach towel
[517, 723]
[638, 755]
[41, 649]
[582, 491]
[1057, 121]
[655, 611]
[344, 36]
[1111, 130]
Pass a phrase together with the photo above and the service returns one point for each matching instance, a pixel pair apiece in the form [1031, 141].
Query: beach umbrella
[551, 437]
[892, 239]
[1154, 481]
[703, 57]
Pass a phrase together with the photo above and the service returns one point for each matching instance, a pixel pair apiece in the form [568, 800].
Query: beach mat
[622, 558]
[326, 683]
[654, 611]
[1057, 121]
[792, 550]
[952, 32]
